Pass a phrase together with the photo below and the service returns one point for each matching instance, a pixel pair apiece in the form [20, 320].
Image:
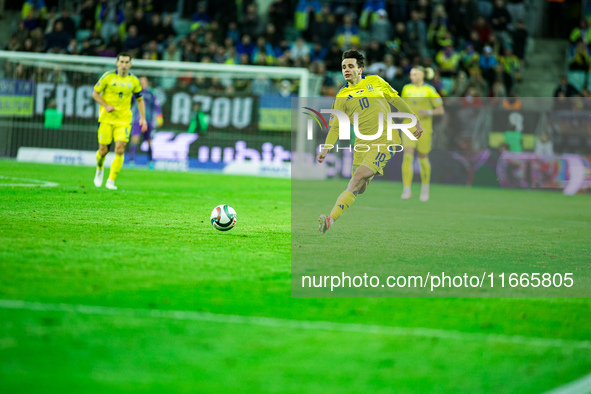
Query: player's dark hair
[353, 54]
[124, 54]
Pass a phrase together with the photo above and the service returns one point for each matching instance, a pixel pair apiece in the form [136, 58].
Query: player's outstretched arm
[99, 99]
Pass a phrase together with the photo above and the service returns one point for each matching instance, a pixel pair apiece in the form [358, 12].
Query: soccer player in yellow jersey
[425, 101]
[113, 92]
[367, 96]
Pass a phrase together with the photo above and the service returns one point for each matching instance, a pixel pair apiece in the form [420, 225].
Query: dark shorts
[137, 130]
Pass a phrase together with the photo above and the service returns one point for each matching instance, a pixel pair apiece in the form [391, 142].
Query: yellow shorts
[107, 132]
[375, 158]
[422, 145]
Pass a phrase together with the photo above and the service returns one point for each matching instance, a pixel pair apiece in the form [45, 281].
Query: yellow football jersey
[117, 91]
[422, 97]
[368, 98]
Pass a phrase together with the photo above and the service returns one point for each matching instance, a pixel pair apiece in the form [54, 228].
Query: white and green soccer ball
[223, 217]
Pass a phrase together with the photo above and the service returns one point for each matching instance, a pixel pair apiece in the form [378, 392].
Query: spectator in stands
[580, 57]
[495, 45]
[565, 87]
[263, 53]
[483, 29]
[114, 47]
[544, 145]
[369, 13]
[35, 7]
[168, 29]
[347, 33]
[438, 27]
[300, 50]
[381, 28]
[156, 32]
[385, 69]
[172, 53]
[460, 85]
[488, 63]
[72, 48]
[110, 19]
[86, 49]
[581, 32]
[318, 53]
[272, 36]
[233, 32]
[58, 40]
[30, 21]
[500, 20]
[14, 45]
[68, 23]
[48, 23]
[251, 23]
[417, 33]
[469, 58]
[139, 21]
[462, 16]
[132, 42]
[21, 32]
[520, 40]
[87, 15]
[279, 14]
[305, 11]
[201, 16]
[498, 90]
[374, 53]
[28, 46]
[478, 82]
[324, 26]
[511, 69]
[96, 41]
[448, 61]
[245, 47]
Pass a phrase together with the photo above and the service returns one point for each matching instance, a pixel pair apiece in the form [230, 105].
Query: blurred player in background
[424, 100]
[153, 114]
[367, 96]
[114, 92]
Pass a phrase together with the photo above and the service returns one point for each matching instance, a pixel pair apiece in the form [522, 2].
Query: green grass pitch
[149, 247]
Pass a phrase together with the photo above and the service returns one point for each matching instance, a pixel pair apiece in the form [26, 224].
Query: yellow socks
[345, 200]
[425, 170]
[116, 167]
[100, 160]
[407, 170]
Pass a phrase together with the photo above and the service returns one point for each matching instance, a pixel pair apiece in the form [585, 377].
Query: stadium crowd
[477, 47]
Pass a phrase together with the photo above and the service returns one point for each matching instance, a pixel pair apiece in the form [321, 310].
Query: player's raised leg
[359, 180]
[407, 172]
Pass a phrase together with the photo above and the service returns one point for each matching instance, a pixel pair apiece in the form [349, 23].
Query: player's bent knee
[423, 155]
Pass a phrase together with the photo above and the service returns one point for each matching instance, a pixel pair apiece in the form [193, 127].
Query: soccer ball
[223, 217]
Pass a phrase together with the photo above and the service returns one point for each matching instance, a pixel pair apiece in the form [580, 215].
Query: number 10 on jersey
[364, 102]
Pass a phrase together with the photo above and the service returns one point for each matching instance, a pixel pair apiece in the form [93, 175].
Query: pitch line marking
[39, 183]
[579, 386]
[313, 325]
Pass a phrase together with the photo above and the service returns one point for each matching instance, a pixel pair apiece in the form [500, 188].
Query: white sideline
[579, 386]
[295, 324]
[40, 183]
